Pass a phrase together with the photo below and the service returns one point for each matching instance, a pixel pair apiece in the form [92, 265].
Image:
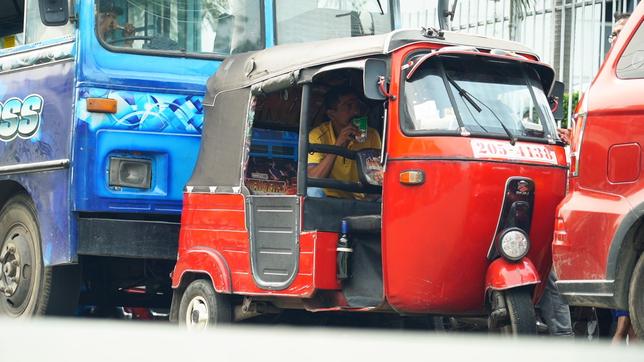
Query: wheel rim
[16, 270]
[197, 314]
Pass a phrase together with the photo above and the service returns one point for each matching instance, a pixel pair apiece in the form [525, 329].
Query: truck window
[631, 63]
[36, 31]
[11, 23]
[219, 27]
[308, 20]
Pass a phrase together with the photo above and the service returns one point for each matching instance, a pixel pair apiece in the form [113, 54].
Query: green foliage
[575, 99]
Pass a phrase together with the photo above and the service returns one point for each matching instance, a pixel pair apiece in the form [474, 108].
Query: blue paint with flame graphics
[158, 127]
[36, 128]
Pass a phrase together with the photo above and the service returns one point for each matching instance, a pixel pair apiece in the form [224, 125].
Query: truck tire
[636, 298]
[202, 307]
[27, 287]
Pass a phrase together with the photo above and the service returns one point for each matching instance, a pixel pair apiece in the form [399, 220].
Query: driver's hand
[128, 30]
[564, 134]
[347, 135]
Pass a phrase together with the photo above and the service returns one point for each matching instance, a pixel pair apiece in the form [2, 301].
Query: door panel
[274, 226]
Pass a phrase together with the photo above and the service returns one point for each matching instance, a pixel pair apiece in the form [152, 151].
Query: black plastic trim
[128, 238]
[590, 293]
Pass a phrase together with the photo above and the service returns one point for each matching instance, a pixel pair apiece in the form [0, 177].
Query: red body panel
[436, 236]
[503, 274]
[214, 224]
[609, 184]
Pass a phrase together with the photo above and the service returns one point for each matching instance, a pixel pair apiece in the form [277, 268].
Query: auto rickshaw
[460, 200]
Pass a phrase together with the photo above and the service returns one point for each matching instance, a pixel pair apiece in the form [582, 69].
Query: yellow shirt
[343, 169]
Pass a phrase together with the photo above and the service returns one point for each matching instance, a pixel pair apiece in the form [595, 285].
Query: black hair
[333, 95]
[108, 6]
[620, 16]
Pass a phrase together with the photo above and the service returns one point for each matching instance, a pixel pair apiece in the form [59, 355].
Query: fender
[503, 274]
[204, 260]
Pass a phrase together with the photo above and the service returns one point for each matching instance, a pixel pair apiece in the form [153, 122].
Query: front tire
[27, 287]
[520, 312]
[636, 298]
[202, 307]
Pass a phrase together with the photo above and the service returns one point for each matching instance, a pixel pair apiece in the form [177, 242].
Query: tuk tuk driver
[342, 105]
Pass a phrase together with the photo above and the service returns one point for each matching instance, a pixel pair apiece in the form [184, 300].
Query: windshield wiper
[470, 99]
[382, 12]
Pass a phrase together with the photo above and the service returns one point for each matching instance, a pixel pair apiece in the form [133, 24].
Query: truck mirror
[374, 71]
[54, 12]
[556, 100]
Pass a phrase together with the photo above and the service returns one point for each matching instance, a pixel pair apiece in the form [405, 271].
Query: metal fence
[571, 35]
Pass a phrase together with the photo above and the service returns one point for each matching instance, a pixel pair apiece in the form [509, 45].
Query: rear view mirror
[375, 71]
[556, 100]
[54, 12]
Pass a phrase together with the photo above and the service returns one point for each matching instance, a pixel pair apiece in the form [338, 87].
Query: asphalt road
[107, 340]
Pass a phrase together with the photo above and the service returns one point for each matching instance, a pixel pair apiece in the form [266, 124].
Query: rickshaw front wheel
[522, 319]
[202, 307]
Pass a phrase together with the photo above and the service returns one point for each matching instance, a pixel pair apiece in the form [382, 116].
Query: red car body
[599, 234]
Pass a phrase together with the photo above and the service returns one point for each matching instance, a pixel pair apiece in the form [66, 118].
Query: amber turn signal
[101, 105]
[412, 177]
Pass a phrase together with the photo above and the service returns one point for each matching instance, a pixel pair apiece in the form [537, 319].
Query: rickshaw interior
[271, 170]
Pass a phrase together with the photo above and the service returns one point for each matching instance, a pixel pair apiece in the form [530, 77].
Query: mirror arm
[383, 89]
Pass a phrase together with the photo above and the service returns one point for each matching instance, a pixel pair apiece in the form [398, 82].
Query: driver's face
[348, 107]
[107, 22]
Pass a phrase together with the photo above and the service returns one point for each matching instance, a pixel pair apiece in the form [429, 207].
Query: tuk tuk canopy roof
[220, 163]
[243, 70]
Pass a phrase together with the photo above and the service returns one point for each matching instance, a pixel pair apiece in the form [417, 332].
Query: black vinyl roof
[242, 70]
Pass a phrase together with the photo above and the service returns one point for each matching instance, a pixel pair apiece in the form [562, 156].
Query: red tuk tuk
[459, 225]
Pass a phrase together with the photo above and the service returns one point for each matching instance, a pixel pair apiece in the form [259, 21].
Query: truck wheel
[27, 287]
[636, 298]
[202, 307]
[521, 312]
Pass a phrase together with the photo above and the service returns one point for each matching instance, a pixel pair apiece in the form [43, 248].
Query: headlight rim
[500, 248]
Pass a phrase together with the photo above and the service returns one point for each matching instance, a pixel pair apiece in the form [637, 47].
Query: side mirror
[374, 69]
[54, 12]
[556, 100]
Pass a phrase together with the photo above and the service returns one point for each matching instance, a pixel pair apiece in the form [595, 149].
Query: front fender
[503, 274]
[204, 260]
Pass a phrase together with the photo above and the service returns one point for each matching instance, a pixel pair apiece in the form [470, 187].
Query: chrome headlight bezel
[513, 238]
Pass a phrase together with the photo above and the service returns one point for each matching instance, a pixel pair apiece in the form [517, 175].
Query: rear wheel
[636, 298]
[202, 307]
[27, 287]
[522, 320]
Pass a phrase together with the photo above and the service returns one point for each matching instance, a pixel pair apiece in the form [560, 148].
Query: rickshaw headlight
[514, 244]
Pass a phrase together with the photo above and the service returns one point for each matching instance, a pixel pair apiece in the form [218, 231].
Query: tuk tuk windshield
[309, 20]
[449, 94]
[215, 27]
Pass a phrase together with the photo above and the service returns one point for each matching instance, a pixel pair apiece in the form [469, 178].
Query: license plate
[503, 150]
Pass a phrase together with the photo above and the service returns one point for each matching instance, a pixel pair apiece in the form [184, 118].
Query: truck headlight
[513, 244]
[130, 172]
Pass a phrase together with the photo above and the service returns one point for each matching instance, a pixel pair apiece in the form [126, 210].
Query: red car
[457, 221]
[599, 236]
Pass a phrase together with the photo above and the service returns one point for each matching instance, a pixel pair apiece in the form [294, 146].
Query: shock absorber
[344, 250]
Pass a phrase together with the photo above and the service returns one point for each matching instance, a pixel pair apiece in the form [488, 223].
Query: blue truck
[101, 112]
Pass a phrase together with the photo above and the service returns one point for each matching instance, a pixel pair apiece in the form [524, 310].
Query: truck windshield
[218, 27]
[501, 93]
[309, 20]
